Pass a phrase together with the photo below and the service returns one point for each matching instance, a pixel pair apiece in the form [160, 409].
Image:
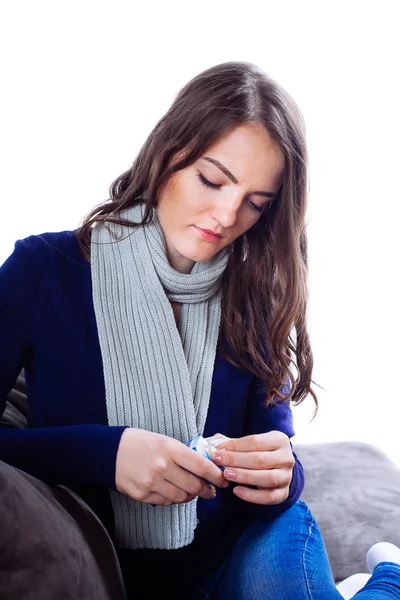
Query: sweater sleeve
[277, 417]
[70, 454]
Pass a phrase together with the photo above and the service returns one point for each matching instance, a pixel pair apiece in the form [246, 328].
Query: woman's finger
[158, 500]
[270, 479]
[269, 441]
[167, 493]
[275, 496]
[190, 483]
[174, 493]
[198, 465]
[254, 460]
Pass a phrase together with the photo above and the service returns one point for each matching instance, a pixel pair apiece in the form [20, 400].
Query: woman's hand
[157, 469]
[264, 461]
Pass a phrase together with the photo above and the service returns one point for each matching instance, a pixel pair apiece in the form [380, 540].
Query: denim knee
[276, 559]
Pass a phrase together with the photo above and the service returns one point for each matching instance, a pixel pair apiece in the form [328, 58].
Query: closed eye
[217, 186]
[256, 206]
[207, 183]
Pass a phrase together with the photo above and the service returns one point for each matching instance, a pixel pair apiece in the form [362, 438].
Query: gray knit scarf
[156, 376]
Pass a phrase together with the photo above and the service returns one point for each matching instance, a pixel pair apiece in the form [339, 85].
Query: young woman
[178, 309]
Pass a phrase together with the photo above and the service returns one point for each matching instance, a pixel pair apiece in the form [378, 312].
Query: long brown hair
[264, 302]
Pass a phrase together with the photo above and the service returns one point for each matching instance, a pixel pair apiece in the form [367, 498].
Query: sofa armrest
[52, 544]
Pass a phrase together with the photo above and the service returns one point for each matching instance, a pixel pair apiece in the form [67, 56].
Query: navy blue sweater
[48, 327]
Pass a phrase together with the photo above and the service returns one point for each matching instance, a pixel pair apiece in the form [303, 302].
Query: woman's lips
[208, 235]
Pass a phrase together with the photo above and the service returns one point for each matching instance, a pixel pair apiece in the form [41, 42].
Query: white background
[84, 82]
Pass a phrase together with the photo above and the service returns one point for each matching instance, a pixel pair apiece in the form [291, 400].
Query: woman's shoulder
[36, 257]
[36, 269]
[41, 249]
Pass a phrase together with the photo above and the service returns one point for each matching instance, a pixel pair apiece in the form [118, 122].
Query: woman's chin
[199, 252]
[203, 255]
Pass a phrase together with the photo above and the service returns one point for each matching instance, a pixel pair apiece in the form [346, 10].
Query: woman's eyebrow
[233, 178]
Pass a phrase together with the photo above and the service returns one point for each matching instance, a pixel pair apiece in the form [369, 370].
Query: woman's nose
[226, 210]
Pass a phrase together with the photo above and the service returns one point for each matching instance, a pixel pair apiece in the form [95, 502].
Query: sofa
[54, 546]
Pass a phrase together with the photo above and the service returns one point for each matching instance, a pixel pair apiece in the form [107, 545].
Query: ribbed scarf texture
[156, 377]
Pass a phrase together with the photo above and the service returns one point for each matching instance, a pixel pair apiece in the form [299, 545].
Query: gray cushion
[353, 491]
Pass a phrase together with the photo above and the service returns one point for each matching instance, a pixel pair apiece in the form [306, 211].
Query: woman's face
[207, 205]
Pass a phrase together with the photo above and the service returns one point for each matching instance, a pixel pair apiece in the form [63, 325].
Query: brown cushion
[52, 545]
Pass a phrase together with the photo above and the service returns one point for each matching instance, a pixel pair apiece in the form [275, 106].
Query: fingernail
[216, 458]
[213, 492]
[225, 484]
[229, 474]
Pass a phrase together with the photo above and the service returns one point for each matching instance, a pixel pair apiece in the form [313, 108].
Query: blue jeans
[286, 559]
